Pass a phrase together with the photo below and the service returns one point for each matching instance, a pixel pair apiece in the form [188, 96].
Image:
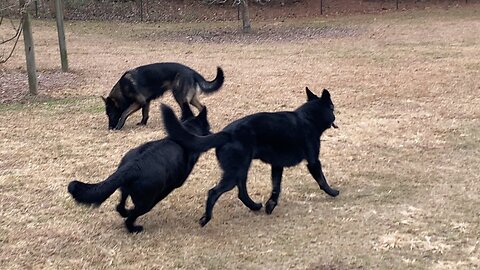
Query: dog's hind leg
[144, 201]
[121, 205]
[133, 214]
[235, 161]
[315, 170]
[276, 188]
[183, 89]
[145, 112]
[227, 183]
[243, 194]
[195, 102]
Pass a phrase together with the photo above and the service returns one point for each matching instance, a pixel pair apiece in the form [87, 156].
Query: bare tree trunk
[140, 4]
[61, 35]
[245, 16]
[29, 50]
[36, 8]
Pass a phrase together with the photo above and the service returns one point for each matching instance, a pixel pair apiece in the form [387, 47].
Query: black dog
[138, 86]
[147, 173]
[282, 139]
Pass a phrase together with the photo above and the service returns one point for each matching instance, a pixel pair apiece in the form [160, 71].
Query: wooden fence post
[29, 49]
[61, 35]
[141, 10]
[247, 27]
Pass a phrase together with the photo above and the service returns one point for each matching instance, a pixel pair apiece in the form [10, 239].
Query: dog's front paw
[333, 192]
[135, 229]
[204, 220]
[119, 126]
[256, 207]
[330, 191]
[269, 206]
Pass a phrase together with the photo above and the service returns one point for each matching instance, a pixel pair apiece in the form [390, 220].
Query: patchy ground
[51, 84]
[405, 158]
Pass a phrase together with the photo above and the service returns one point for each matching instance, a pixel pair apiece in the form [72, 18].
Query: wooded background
[214, 10]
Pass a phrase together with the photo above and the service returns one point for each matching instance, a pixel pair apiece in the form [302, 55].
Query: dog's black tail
[182, 136]
[212, 86]
[97, 193]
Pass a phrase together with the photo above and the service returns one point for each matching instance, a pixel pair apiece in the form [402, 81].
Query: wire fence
[12, 40]
[194, 10]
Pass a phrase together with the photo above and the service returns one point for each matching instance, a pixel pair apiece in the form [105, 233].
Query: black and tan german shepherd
[138, 86]
[147, 173]
[281, 139]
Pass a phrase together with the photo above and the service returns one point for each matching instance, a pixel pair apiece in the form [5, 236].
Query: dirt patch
[266, 33]
[53, 84]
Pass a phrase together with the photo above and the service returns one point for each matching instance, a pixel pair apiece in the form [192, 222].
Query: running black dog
[282, 139]
[147, 173]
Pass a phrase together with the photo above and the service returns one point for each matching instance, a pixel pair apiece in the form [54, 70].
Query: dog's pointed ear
[110, 101]
[186, 112]
[310, 95]
[326, 95]
[203, 114]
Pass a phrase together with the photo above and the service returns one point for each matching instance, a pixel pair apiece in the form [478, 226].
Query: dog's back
[163, 165]
[275, 138]
[151, 81]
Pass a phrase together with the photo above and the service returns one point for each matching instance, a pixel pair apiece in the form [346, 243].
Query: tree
[61, 35]
[243, 4]
[29, 48]
[243, 8]
[25, 27]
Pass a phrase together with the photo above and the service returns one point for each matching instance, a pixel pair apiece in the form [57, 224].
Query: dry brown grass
[406, 157]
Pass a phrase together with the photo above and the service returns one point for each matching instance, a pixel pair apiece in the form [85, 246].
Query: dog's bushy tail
[182, 136]
[97, 193]
[212, 86]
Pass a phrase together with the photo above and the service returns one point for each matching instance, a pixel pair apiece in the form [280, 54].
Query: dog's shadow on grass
[175, 221]
[178, 222]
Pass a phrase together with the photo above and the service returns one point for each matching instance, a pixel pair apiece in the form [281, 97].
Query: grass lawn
[406, 88]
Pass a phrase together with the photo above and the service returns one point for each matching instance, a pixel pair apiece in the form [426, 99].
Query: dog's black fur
[138, 86]
[282, 139]
[147, 173]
